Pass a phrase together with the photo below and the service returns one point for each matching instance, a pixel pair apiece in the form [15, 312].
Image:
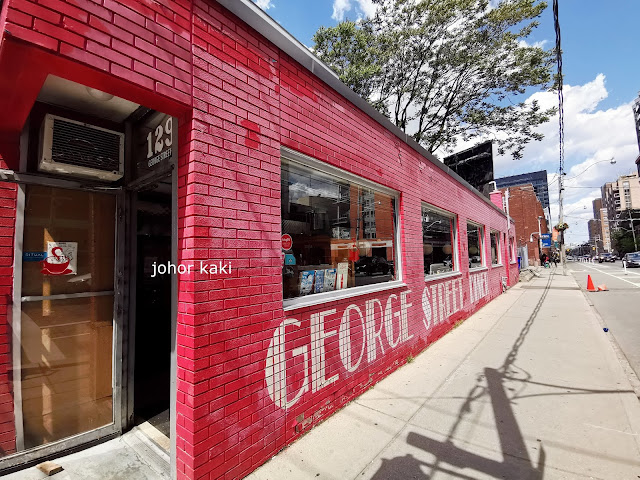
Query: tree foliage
[444, 70]
[622, 241]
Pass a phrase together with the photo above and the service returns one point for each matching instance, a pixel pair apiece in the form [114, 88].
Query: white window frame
[513, 250]
[455, 253]
[482, 247]
[498, 235]
[306, 161]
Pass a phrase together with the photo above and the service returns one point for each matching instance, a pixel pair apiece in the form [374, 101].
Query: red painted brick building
[528, 214]
[198, 218]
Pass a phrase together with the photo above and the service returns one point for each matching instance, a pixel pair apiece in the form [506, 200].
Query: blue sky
[602, 78]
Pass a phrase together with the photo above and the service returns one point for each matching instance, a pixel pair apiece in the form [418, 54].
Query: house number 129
[160, 142]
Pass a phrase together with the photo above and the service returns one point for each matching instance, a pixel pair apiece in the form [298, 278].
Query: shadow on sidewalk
[449, 458]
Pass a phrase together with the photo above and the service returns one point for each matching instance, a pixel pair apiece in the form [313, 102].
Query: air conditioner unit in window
[70, 147]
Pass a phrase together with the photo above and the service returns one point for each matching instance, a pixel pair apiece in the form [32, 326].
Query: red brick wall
[256, 99]
[145, 43]
[7, 229]
[249, 99]
[525, 208]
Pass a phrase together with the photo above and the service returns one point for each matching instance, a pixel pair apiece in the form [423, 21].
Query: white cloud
[367, 7]
[539, 44]
[362, 8]
[264, 4]
[592, 136]
[340, 7]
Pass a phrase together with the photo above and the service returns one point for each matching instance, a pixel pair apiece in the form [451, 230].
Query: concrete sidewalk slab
[530, 386]
[129, 457]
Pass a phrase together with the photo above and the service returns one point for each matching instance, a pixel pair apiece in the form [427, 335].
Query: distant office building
[475, 165]
[600, 214]
[606, 231]
[595, 234]
[621, 195]
[597, 206]
[537, 179]
[621, 199]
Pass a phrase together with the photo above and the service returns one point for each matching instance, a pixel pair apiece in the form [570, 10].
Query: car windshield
[634, 256]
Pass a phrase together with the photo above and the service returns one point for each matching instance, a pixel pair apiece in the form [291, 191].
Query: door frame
[123, 316]
[129, 262]
[23, 458]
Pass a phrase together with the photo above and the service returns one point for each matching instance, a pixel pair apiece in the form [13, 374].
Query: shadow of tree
[449, 458]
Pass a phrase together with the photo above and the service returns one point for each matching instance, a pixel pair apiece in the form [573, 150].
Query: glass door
[67, 306]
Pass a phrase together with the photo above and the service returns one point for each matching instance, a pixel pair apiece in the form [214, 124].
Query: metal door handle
[64, 296]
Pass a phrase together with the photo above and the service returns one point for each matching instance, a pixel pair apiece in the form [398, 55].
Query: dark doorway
[152, 370]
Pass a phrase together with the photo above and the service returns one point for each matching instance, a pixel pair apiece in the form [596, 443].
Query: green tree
[622, 241]
[444, 70]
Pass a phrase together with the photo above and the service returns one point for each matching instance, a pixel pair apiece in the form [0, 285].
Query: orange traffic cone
[590, 286]
[603, 288]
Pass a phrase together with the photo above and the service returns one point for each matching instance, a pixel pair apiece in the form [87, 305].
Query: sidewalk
[529, 387]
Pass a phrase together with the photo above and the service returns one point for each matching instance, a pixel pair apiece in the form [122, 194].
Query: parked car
[632, 259]
[373, 266]
[606, 257]
[475, 259]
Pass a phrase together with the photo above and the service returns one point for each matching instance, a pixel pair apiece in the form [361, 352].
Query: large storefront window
[438, 241]
[475, 235]
[337, 234]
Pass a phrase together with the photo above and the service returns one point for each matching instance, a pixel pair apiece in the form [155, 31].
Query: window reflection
[474, 243]
[438, 241]
[343, 234]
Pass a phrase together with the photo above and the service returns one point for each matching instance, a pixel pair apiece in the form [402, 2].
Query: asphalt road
[619, 307]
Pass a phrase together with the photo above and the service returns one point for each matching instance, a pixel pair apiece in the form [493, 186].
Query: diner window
[439, 241]
[512, 249]
[338, 233]
[495, 248]
[475, 235]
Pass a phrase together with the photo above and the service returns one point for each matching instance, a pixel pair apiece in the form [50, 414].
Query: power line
[556, 22]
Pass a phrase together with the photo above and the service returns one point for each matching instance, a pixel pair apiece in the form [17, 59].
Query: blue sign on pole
[546, 240]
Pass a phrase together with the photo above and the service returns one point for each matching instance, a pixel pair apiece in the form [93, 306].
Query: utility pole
[563, 256]
[633, 231]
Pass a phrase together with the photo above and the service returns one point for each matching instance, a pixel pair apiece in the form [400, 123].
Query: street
[619, 307]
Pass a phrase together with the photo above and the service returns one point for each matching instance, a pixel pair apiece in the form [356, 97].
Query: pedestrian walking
[543, 260]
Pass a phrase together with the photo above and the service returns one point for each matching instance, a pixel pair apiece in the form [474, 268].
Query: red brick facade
[525, 208]
[241, 99]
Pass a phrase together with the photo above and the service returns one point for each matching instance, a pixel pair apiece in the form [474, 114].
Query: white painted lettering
[404, 315]
[426, 309]
[276, 370]
[318, 361]
[344, 339]
[389, 315]
[373, 335]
